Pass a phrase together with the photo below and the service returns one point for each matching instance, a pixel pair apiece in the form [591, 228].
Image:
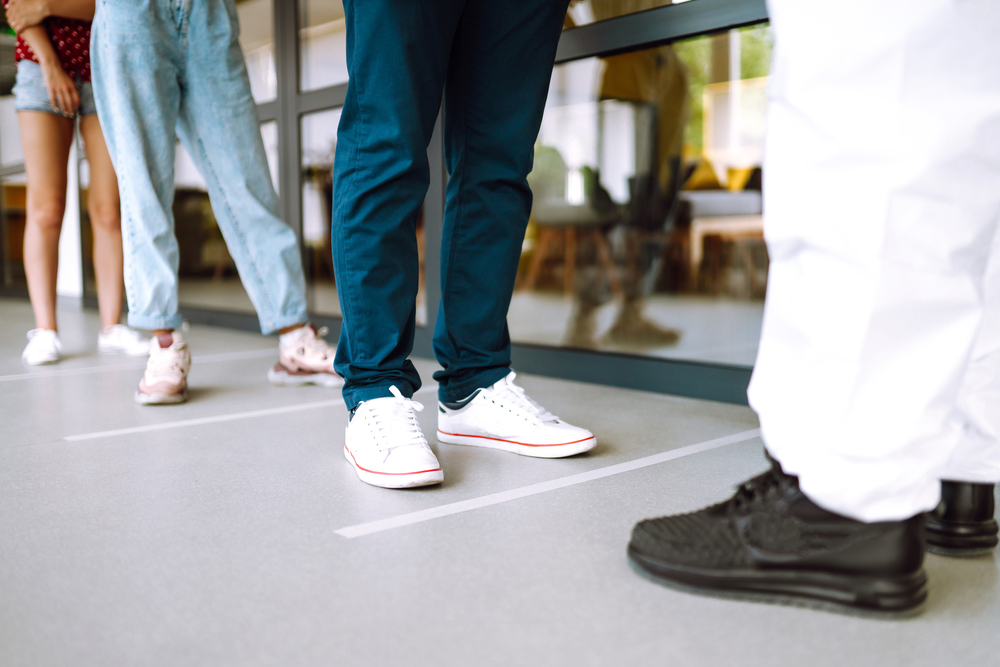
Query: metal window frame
[630, 32]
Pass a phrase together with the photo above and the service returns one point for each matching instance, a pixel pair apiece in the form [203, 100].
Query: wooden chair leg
[545, 237]
[569, 270]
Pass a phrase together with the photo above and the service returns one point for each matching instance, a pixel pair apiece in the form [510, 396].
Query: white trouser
[879, 366]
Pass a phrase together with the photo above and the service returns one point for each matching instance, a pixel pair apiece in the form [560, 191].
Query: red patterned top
[71, 41]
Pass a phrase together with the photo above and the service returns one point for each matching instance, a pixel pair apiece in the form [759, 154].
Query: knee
[48, 216]
[105, 216]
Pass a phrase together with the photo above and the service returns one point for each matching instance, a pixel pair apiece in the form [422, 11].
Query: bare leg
[104, 207]
[46, 139]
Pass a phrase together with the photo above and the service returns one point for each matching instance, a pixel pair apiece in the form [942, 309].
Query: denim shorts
[30, 93]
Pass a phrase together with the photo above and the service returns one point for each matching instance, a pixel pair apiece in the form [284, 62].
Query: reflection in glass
[207, 276]
[8, 70]
[86, 232]
[269, 133]
[319, 145]
[322, 44]
[582, 12]
[646, 229]
[257, 41]
[13, 218]
[10, 134]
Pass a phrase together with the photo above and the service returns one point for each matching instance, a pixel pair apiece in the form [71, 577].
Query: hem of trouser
[483, 379]
[896, 504]
[277, 325]
[356, 396]
[152, 323]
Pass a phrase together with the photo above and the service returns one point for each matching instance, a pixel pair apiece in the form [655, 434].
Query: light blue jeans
[166, 68]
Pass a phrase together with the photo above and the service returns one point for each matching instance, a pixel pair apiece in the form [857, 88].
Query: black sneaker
[770, 543]
[963, 523]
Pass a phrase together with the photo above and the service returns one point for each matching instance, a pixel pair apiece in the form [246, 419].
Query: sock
[458, 405]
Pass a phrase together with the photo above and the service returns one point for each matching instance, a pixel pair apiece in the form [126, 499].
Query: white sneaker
[165, 380]
[43, 347]
[119, 339]
[503, 417]
[304, 358]
[385, 445]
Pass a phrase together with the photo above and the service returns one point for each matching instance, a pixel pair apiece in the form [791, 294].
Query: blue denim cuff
[152, 323]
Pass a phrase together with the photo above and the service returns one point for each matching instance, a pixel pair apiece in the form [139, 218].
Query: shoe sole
[961, 540]
[285, 379]
[43, 362]
[161, 399]
[871, 597]
[958, 552]
[556, 451]
[404, 480]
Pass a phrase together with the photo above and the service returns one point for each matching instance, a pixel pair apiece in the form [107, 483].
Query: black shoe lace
[762, 488]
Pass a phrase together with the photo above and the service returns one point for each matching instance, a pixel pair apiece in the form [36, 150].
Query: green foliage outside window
[756, 46]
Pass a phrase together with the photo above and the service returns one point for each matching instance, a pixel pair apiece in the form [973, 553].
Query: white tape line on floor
[217, 419]
[542, 487]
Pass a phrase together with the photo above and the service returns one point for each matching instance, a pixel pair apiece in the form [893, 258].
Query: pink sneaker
[305, 358]
[165, 380]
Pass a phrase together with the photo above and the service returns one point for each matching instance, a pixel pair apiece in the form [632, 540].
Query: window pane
[322, 44]
[582, 12]
[207, 276]
[8, 43]
[86, 231]
[269, 133]
[13, 200]
[319, 144]
[10, 134]
[647, 210]
[257, 40]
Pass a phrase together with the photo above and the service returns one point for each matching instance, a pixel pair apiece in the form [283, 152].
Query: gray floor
[171, 542]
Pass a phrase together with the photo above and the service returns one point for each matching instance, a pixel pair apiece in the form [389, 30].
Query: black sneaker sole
[960, 540]
[870, 597]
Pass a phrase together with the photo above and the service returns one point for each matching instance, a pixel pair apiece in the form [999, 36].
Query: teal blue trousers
[492, 62]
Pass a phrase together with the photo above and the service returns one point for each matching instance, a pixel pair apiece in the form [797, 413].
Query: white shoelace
[313, 344]
[396, 422]
[507, 391]
[166, 361]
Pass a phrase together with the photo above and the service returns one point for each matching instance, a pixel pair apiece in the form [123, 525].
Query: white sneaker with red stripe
[503, 417]
[385, 445]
